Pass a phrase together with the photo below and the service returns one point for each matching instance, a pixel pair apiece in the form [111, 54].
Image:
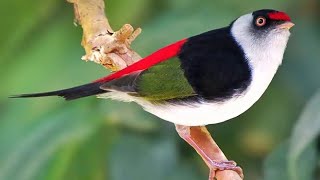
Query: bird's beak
[286, 25]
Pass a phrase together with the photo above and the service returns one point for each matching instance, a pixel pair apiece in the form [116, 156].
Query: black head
[268, 19]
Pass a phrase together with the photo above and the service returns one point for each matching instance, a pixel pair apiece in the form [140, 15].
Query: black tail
[69, 94]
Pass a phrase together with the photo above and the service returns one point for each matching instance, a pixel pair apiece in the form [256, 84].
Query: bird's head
[263, 33]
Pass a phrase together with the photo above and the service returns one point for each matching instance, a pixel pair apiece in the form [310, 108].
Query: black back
[215, 65]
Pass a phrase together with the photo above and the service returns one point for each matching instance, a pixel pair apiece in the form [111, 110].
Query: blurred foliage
[297, 158]
[98, 139]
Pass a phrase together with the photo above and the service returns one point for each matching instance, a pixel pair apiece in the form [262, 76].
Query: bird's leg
[200, 139]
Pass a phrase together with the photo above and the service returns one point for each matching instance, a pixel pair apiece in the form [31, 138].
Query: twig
[103, 45]
[112, 50]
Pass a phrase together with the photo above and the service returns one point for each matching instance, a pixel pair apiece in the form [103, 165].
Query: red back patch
[159, 56]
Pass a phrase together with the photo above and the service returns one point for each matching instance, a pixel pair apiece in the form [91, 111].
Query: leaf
[297, 158]
[60, 162]
[276, 164]
[304, 134]
[137, 158]
[21, 18]
[90, 156]
[27, 155]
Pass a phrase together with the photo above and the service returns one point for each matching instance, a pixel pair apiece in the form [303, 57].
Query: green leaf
[60, 163]
[304, 134]
[276, 164]
[21, 18]
[27, 155]
[137, 158]
[90, 156]
[144, 156]
[297, 158]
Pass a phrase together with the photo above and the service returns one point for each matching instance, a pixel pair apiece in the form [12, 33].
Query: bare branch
[103, 45]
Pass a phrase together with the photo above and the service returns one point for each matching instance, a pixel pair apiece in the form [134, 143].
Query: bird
[205, 79]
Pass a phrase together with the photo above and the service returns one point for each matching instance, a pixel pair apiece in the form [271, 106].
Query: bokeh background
[98, 139]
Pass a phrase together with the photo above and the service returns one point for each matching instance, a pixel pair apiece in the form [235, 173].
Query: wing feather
[162, 82]
[159, 56]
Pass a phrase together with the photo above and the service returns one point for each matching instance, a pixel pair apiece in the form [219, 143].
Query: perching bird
[205, 79]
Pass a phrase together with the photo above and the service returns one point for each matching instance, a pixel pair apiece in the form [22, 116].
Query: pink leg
[200, 139]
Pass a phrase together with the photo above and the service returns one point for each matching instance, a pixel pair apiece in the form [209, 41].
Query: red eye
[261, 21]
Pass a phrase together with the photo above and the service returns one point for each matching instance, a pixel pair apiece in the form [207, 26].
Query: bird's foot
[200, 139]
[224, 165]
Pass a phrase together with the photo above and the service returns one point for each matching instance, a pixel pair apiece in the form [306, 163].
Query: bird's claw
[224, 165]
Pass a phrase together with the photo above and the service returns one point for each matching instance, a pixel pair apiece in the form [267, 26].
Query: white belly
[206, 113]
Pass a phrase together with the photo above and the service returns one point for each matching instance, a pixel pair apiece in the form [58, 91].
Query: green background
[103, 139]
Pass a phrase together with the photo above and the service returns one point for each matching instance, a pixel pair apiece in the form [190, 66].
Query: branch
[112, 50]
[102, 45]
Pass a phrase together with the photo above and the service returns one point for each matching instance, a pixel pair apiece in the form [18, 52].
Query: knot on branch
[112, 50]
[102, 45]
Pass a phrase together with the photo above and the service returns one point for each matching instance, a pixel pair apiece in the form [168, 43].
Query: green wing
[161, 82]
[164, 81]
